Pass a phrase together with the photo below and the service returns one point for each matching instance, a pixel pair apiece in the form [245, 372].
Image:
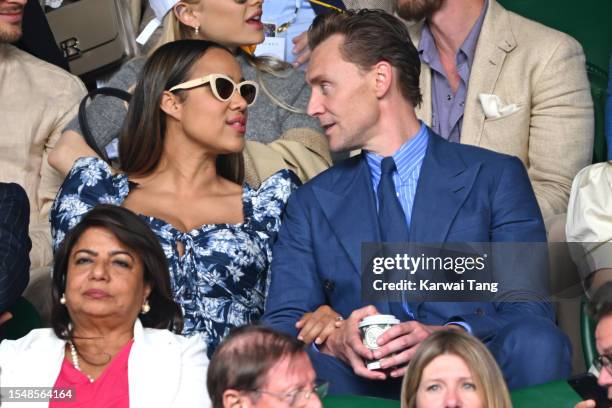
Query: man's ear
[383, 78]
[170, 105]
[186, 14]
[235, 399]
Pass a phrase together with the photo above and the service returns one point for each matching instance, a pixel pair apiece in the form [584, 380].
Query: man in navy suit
[364, 74]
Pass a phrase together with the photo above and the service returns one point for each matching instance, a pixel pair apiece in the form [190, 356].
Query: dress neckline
[247, 212]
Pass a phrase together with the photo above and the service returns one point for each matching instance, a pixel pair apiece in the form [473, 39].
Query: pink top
[109, 390]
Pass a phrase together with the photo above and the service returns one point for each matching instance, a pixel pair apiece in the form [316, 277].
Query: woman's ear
[147, 291]
[186, 14]
[171, 105]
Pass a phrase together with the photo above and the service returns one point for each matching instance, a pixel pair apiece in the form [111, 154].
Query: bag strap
[84, 124]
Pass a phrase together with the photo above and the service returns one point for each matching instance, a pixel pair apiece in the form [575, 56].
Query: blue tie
[391, 217]
[392, 222]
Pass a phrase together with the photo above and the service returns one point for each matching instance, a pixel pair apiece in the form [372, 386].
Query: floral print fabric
[221, 279]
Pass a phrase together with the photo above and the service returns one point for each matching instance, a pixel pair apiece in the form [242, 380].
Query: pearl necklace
[75, 360]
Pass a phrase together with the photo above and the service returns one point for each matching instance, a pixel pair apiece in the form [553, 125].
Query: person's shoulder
[39, 71]
[93, 166]
[163, 338]
[598, 173]
[14, 191]
[535, 34]
[35, 339]
[91, 181]
[489, 160]
[282, 179]
[328, 179]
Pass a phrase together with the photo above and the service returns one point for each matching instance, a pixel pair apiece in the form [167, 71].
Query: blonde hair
[487, 375]
[173, 29]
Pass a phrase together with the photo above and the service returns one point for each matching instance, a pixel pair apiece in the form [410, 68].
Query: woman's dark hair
[244, 359]
[141, 139]
[371, 36]
[135, 234]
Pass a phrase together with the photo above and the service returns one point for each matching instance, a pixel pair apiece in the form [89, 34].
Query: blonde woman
[280, 134]
[451, 368]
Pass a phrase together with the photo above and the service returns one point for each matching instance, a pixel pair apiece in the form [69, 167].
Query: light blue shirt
[298, 12]
[408, 161]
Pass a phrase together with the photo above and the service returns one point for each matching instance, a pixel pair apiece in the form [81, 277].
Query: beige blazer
[542, 71]
[37, 100]
[164, 369]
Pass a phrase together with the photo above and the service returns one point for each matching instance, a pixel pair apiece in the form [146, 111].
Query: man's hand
[586, 404]
[345, 343]
[5, 317]
[319, 325]
[301, 49]
[403, 339]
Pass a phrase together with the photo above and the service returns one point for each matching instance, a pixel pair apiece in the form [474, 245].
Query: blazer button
[479, 312]
[329, 285]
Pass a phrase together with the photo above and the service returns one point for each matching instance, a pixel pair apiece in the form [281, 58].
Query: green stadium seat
[25, 318]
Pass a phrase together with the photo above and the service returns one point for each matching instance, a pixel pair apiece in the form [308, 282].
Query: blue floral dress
[221, 280]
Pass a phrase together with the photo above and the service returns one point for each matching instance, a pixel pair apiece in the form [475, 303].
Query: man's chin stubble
[10, 35]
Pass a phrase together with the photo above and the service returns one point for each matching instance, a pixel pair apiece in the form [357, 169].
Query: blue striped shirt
[408, 160]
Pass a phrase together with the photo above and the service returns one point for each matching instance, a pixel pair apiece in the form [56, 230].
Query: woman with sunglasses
[182, 172]
[279, 134]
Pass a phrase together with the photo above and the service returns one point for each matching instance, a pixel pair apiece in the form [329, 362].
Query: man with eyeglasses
[257, 367]
[601, 309]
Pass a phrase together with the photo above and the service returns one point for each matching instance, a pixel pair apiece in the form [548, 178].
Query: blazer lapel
[350, 209]
[45, 362]
[154, 370]
[444, 184]
[495, 41]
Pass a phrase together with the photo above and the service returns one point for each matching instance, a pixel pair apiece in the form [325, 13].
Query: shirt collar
[408, 157]
[427, 45]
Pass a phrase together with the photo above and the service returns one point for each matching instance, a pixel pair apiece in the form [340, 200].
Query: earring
[145, 307]
[63, 299]
[196, 30]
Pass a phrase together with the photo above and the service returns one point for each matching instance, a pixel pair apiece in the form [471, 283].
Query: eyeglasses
[299, 398]
[603, 362]
[223, 87]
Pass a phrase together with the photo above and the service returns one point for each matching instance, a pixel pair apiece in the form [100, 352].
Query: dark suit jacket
[464, 194]
[15, 243]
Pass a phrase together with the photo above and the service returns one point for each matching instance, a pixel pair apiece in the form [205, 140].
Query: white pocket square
[493, 106]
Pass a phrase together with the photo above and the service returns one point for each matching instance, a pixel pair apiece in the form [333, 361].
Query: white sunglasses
[223, 87]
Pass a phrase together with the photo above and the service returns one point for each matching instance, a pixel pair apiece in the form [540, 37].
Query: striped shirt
[408, 160]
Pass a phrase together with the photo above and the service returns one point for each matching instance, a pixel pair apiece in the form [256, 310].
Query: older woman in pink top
[112, 342]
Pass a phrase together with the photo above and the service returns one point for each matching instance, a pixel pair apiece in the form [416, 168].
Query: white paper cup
[371, 327]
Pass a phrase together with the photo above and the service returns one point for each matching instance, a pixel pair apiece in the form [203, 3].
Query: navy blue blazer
[15, 243]
[464, 194]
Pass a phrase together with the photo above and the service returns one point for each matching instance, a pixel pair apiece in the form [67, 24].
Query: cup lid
[378, 319]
